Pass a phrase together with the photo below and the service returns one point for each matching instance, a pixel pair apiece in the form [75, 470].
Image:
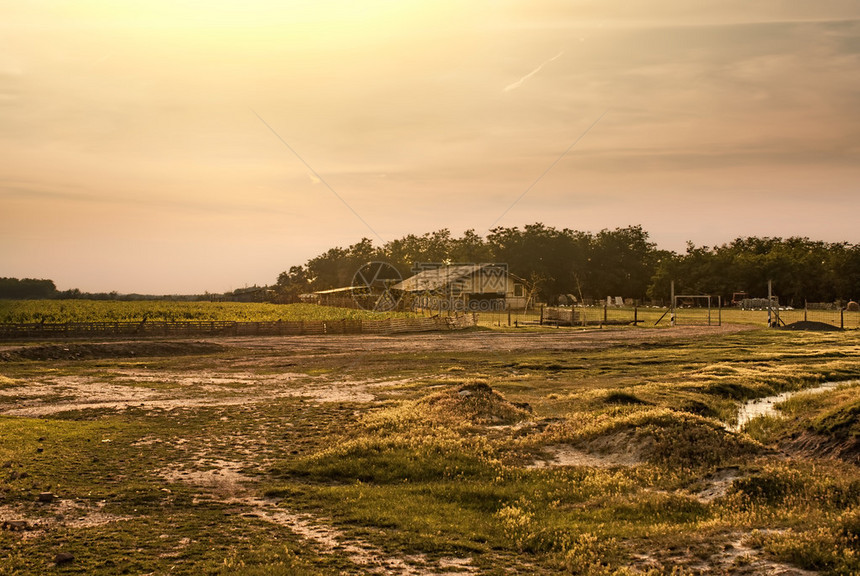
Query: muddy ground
[466, 341]
[203, 427]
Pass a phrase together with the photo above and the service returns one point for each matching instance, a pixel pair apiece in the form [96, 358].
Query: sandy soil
[483, 341]
[49, 394]
[34, 519]
[561, 339]
[569, 456]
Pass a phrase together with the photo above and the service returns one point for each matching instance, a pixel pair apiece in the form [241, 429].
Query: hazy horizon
[148, 148]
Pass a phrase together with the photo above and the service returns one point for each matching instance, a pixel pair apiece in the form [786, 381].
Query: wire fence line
[651, 316]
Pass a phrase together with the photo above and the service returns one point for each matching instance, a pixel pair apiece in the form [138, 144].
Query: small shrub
[849, 524]
[624, 398]
[771, 488]
[815, 550]
[589, 555]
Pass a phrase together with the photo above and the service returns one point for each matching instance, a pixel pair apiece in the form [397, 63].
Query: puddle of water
[767, 406]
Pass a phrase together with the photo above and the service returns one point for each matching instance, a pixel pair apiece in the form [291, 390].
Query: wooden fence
[279, 328]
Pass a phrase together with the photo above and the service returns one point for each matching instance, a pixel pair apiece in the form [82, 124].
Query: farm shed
[476, 287]
[252, 294]
[342, 297]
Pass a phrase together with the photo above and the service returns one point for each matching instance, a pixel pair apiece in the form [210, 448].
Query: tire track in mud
[222, 481]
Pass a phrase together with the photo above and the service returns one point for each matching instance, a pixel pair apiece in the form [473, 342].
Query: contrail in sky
[315, 177]
[520, 82]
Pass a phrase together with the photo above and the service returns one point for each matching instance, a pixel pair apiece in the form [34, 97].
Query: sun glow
[422, 114]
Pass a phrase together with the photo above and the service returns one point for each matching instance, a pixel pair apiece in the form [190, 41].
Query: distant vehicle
[738, 297]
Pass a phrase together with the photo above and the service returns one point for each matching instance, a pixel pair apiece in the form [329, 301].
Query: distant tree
[406, 252]
[619, 262]
[845, 272]
[801, 270]
[292, 283]
[623, 262]
[27, 288]
[72, 294]
[469, 248]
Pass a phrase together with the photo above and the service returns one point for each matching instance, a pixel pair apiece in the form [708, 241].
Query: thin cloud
[522, 80]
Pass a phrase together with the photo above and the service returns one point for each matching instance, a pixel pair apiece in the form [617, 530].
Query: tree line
[620, 262]
[43, 289]
[30, 288]
[563, 262]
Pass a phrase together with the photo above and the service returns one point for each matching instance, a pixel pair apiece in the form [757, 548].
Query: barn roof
[437, 278]
[338, 290]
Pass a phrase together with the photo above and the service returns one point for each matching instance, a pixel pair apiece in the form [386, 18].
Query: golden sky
[148, 146]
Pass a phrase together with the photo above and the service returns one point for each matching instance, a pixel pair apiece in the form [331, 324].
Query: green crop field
[23, 311]
[601, 452]
[62, 311]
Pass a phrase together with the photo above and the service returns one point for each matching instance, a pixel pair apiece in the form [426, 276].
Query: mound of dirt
[814, 326]
[620, 453]
[812, 445]
[476, 403]
[89, 351]
[670, 438]
[624, 445]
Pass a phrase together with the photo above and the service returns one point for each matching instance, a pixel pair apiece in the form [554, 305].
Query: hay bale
[853, 307]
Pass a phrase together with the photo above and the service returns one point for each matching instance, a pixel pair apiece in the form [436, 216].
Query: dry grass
[311, 456]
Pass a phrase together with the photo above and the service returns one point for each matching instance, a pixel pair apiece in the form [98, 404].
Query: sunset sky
[154, 146]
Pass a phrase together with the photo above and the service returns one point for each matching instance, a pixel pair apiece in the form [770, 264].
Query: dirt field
[488, 342]
[223, 385]
[417, 454]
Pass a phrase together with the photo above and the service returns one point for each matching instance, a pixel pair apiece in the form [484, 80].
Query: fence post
[842, 318]
[604, 312]
[719, 310]
[509, 317]
[541, 314]
[635, 315]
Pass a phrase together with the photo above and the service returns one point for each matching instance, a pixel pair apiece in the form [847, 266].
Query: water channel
[767, 406]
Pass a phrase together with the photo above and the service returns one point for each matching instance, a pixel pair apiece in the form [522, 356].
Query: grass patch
[438, 460]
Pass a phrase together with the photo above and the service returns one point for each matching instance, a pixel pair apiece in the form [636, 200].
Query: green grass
[441, 463]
